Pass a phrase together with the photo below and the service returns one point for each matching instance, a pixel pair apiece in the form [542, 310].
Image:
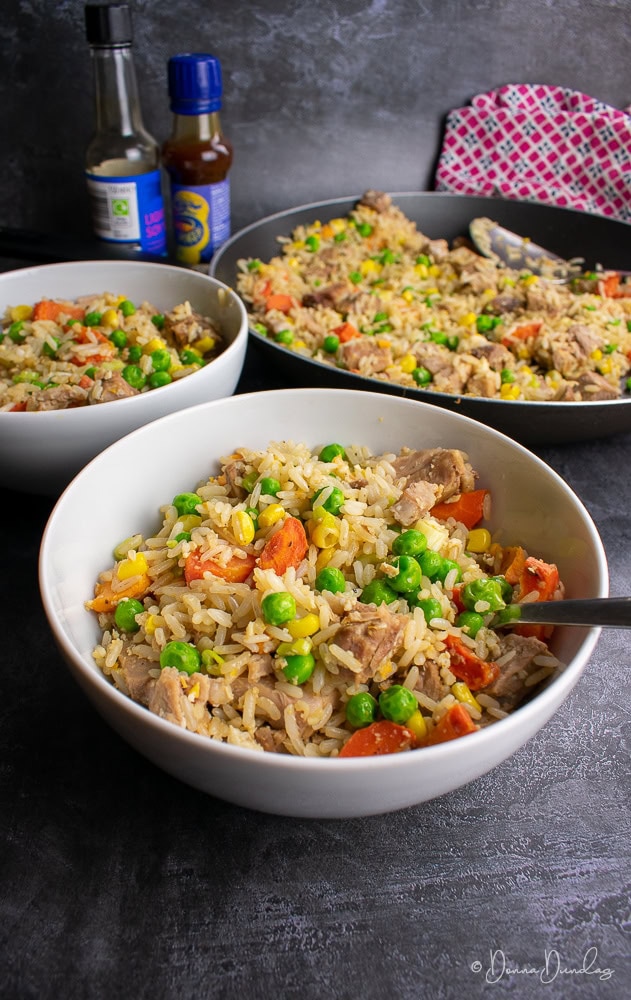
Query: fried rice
[190, 622]
[370, 293]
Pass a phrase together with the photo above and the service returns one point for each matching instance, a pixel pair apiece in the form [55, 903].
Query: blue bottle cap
[195, 86]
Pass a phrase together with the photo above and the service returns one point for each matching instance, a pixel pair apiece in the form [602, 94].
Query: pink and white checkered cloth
[540, 143]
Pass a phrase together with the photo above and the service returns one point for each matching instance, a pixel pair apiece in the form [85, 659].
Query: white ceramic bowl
[41, 452]
[531, 503]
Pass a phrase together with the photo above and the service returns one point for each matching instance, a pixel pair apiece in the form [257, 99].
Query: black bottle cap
[108, 24]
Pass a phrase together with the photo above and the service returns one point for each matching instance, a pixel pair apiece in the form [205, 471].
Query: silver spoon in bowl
[596, 612]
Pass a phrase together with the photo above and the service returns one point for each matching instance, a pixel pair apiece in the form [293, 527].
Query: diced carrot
[286, 548]
[456, 597]
[540, 576]
[379, 738]
[51, 309]
[279, 301]
[85, 382]
[468, 508]
[236, 570]
[106, 598]
[80, 336]
[456, 722]
[512, 564]
[609, 286]
[345, 332]
[468, 667]
[523, 332]
[18, 408]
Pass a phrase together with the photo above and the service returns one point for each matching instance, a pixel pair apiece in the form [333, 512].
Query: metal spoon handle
[609, 612]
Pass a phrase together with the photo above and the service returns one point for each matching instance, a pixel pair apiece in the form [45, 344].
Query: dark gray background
[322, 99]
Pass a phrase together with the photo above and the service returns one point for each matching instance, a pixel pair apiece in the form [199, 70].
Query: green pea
[331, 343]
[127, 308]
[92, 319]
[182, 656]
[49, 351]
[507, 376]
[447, 566]
[254, 265]
[339, 237]
[511, 613]
[378, 592]
[380, 317]
[125, 614]
[160, 360]
[333, 503]
[470, 622]
[270, 487]
[189, 356]
[184, 536]
[284, 337]
[453, 343]
[431, 563]
[505, 588]
[15, 332]
[423, 259]
[157, 379]
[298, 668]
[27, 377]
[330, 579]
[331, 451]
[187, 503]
[278, 608]
[431, 609]
[355, 277]
[438, 337]
[484, 323]
[312, 243]
[249, 482]
[90, 372]
[410, 543]
[158, 321]
[397, 704]
[361, 709]
[409, 574]
[118, 338]
[134, 354]
[364, 228]
[422, 376]
[487, 590]
[134, 376]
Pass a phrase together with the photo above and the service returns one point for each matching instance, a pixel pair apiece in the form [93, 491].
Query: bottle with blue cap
[197, 158]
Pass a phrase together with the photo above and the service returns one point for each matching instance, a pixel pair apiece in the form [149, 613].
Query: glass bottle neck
[206, 126]
[116, 91]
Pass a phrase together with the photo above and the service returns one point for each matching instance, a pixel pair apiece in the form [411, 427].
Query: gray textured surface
[126, 883]
[322, 99]
[119, 882]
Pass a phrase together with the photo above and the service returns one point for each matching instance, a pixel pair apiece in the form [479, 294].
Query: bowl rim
[524, 717]
[236, 346]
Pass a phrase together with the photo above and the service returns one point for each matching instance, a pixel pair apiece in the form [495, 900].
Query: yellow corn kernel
[150, 624]
[408, 363]
[132, 567]
[337, 225]
[205, 345]
[417, 724]
[479, 540]
[525, 370]
[301, 646]
[301, 627]
[531, 279]
[596, 354]
[468, 319]
[383, 342]
[297, 245]
[433, 270]
[461, 691]
[421, 270]
[109, 318]
[508, 391]
[325, 531]
[523, 353]
[369, 267]
[293, 262]
[120, 298]
[155, 344]
[431, 291]
[386, 294]
[324, 558]
[489, 293]
[605, 366]
[189, 521]
[299, 343]
[243, 527]
[271, 515]
[20, 313]
[408, 295]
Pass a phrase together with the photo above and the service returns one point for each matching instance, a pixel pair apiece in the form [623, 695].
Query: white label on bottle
[114, 209]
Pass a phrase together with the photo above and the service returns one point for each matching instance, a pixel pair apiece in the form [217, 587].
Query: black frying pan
[567, 233]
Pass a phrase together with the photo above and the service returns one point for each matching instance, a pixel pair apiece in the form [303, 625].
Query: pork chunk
[447, 468]
[371, 634]
[415, 501]
[509, 688]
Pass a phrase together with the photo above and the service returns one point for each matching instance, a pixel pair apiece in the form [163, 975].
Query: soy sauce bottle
[122, 159]
[197, 158]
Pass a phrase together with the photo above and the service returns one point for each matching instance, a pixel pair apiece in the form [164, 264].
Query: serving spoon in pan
[507, 248]
[597, 612]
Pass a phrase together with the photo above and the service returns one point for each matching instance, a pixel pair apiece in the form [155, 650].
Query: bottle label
[201, 219]
[129, 210]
